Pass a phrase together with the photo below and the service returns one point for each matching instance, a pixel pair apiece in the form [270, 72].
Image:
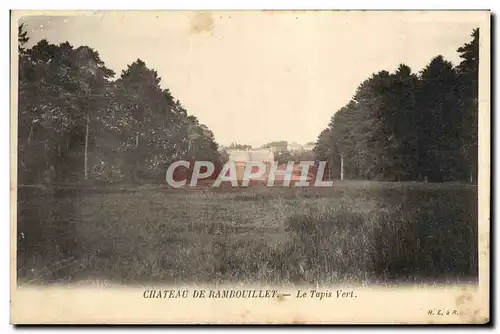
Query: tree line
[409, 126]
[78, 123]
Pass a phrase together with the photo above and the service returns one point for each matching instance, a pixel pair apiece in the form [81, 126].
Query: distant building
[294, 147]
[242, 157]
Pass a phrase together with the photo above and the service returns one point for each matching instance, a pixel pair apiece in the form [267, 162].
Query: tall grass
[368, 233]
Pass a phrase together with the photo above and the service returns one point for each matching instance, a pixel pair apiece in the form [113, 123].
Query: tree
[236, 146]
[279, 145]
[405, 126]
[144, 110]
[155, 128]
[439, 123]
[282, 156]
[400, 106]
[22, 39]
[61, 89]
[92, 91]
[468, 70]
[326, 149]
[75, 123]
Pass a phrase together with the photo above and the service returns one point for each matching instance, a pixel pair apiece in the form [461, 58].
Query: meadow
[356, 232]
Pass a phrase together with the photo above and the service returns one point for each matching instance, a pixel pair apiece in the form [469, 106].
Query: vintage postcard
[250, 167]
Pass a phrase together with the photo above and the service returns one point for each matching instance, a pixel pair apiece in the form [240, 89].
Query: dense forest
[78, 123]
[409, 126]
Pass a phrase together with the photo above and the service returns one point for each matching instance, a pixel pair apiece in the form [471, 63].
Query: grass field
[356, 232]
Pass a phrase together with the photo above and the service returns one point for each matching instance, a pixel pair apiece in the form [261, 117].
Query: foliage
[77, 124]
[409, 126]
[236, 146]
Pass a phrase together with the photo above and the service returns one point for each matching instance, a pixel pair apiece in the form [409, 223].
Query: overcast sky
[255, 77]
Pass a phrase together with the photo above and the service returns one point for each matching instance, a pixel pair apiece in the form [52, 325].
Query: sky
[259, 76]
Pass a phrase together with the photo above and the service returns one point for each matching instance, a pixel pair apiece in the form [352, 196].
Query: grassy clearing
[356, 232]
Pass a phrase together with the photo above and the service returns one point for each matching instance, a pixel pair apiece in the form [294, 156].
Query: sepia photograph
[270, 166]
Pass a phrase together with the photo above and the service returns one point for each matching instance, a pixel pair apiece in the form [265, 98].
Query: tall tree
[75, 123]
[468, 71]
[60, 88]
[405, 126]
[439, 122]
[402, 114]
[22, 39]
[142, 102]
[236, 146]
[92, 93]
